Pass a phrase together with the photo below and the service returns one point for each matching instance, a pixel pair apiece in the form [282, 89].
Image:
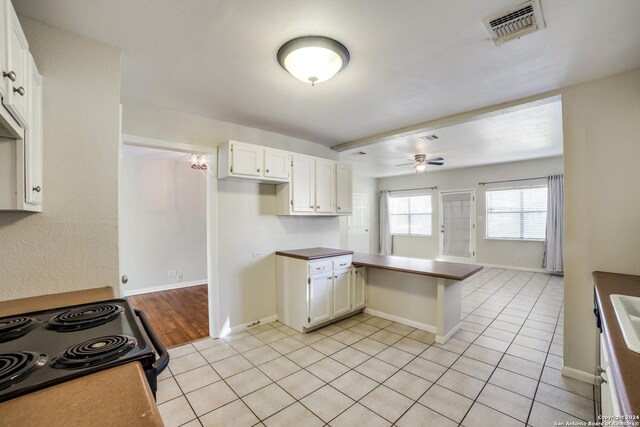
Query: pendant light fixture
[313, 59]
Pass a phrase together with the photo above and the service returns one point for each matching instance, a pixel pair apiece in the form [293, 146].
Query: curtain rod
[411, 189]
[513, 180]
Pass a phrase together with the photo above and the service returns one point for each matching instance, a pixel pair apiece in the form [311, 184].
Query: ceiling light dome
[313, 59]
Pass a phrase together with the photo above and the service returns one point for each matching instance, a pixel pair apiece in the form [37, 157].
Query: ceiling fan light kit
[420, 162]
[313, 59]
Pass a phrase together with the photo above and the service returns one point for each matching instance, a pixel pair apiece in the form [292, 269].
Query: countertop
[424, 267]
[314, 253]
[625, 364]
[118, 396]
[45, 302]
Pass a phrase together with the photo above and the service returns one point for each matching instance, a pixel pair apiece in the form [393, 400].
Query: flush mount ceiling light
[313, 59]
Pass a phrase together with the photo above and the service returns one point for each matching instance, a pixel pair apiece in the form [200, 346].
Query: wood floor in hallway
[178, 316]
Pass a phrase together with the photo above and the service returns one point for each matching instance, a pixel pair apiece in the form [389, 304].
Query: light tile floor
[501, 368]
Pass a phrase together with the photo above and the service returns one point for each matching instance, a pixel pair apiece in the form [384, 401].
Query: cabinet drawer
[320, 267]
[342, 263]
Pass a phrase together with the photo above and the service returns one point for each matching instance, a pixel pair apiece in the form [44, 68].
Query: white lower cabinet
[609, 404]
[313, 293]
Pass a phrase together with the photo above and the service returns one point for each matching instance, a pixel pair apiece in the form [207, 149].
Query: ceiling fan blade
[435, 159]
[405, 164]
[436, 163]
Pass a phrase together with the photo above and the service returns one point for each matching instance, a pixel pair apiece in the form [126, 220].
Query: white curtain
[554, 240]
[386, 241]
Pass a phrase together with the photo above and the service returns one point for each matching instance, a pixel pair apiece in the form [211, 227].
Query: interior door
[457, 226]
[320, 297]
[358, 224]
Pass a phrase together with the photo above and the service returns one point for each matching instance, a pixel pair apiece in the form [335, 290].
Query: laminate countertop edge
[624, 363]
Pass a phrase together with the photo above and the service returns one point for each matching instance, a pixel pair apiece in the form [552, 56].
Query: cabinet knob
[11, 75]
[267, 171]
[339, 208]
[258, 169]
[318, 207]
[37, 189]
[20, 90]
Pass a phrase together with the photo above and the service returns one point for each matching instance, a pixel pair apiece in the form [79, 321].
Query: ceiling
[411, 60]
[527, 132]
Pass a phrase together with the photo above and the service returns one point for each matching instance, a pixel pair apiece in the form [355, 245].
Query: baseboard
[580, 375]
[412, 323]
[511, 267]
[130, 292]
[241, 328]
[444, 339]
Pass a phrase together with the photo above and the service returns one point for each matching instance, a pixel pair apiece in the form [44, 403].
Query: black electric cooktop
[44, 348]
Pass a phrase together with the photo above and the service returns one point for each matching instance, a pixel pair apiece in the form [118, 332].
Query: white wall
[602, 211]
[164, 219]
[524, 254]
[246, 211]
[73, 244]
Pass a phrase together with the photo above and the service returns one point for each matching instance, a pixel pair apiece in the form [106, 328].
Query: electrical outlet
[172, 273]
[257, 254]
[179, 276]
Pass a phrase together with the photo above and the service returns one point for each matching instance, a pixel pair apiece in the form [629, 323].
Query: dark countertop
[424, 267]
[625, 364]
[314, 253]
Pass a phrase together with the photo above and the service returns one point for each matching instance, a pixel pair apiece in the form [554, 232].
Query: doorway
[358, 224]
[457, 226]
[168, 282]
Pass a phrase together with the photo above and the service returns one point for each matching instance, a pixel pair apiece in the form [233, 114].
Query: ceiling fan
[420, 162]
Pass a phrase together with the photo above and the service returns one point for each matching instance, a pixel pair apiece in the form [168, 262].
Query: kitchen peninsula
[425, 294]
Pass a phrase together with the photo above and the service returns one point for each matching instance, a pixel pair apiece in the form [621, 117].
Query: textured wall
[497, 252]
[602, 211]
[73, 244]
[246, 211]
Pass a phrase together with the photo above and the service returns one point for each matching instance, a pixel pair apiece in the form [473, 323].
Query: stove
[45, 348]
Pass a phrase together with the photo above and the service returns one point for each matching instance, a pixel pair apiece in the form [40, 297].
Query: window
[519, 213]
[410, 215]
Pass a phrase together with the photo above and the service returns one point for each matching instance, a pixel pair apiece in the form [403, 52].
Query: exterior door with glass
[457, 226]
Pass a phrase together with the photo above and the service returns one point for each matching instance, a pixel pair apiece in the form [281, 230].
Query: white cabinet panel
[320, 298]
[33, 139]
[303, 183]
[17, 57]
[325, 186]
[344, 188]
[341, 293]
[246, 159]
[359, 287]
[276, 164]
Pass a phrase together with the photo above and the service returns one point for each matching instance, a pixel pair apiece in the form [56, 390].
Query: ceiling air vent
[515, 22]
[429, 137]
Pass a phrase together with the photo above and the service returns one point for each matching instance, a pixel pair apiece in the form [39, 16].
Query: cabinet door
[276, 164]
[17, 49]
[325, 186]
[359, 287]
[344, 188]
[246, 159]
[320, 298]
[341, 293]
[33, 139]
[303, 183]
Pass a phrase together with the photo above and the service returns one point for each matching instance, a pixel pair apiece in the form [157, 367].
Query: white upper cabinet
[303, 184]
[246, 159]
[277, 164]
[248, 162]
[16, 67]
[344, 188]
[325, 188]
[33, 139]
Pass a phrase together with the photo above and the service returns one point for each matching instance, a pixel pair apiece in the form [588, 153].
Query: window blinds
[519, 213]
